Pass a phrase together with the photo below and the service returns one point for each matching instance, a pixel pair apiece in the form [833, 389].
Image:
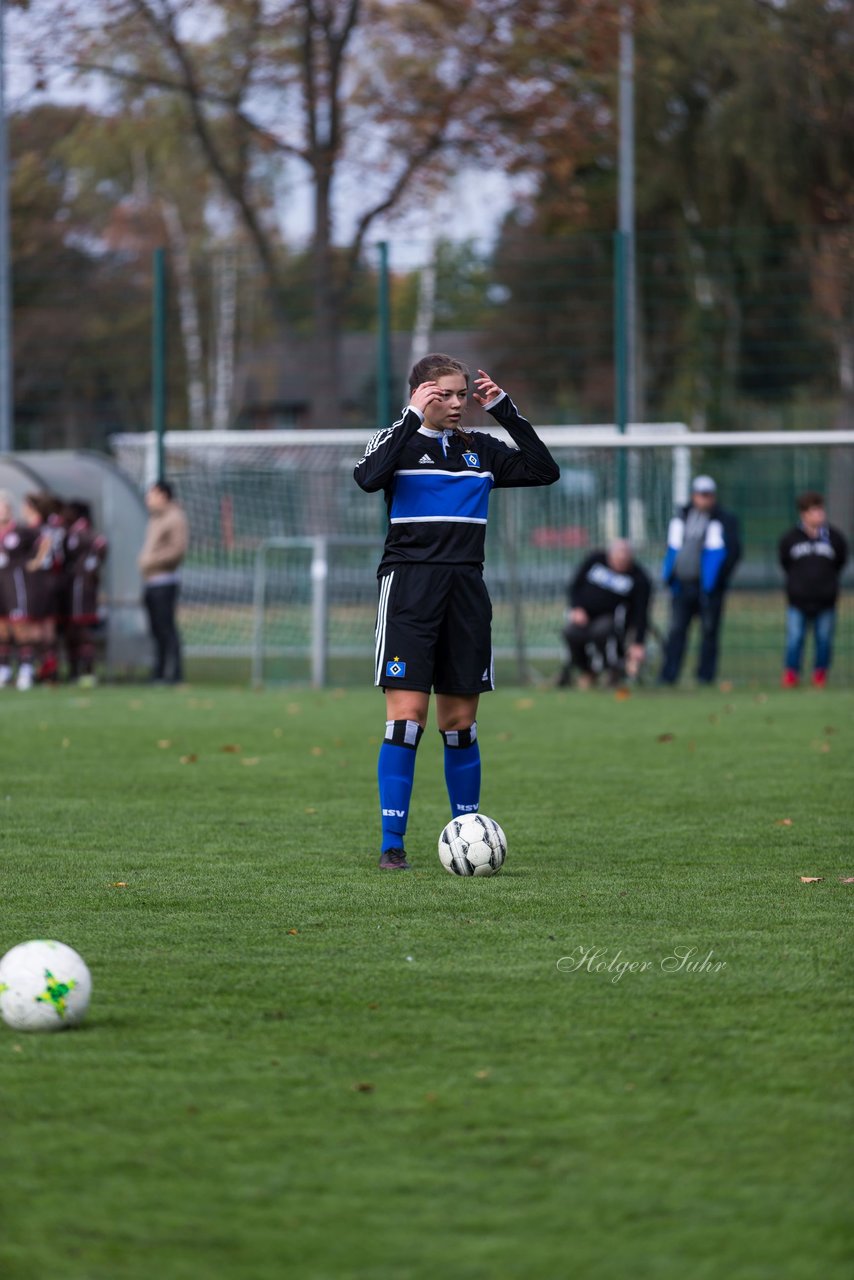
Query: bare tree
[188, 311]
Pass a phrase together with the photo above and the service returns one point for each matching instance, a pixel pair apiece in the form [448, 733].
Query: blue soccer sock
[396, 773]
[462, 769]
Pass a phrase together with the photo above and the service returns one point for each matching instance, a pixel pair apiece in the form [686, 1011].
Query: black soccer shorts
[434, 630]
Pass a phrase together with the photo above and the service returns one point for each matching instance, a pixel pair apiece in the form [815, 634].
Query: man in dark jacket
[703, 548]
[608, 610]
[813, 555]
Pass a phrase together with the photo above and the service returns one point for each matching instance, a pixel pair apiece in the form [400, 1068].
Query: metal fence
[735, 330]
[284, 542]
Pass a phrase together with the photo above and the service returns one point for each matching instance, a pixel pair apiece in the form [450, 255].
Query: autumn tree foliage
[745, 204]
[374, 102]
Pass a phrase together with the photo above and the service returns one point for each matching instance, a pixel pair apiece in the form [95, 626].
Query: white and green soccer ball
[472, 845]
[44, 986]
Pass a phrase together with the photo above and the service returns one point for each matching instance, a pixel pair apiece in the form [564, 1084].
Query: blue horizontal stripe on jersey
[441, 495]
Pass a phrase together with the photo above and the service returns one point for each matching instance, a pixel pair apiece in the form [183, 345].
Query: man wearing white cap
[703, 548]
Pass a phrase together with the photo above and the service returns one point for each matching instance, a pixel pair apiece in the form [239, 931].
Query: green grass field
[295, 1065]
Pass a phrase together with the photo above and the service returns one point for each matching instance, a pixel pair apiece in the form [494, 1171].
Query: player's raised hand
[486, 389]
[425, 394]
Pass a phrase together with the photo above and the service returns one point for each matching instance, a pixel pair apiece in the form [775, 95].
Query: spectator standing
[703, 548]
[163, 551]
[609, 599]
[813, 555]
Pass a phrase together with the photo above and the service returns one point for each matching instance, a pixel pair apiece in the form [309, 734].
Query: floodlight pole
[7, 431]
[625, 317]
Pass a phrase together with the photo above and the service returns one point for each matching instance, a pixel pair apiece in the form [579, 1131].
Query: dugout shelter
[119, 513]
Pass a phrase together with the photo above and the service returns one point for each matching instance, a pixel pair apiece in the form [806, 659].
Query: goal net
[280, 582]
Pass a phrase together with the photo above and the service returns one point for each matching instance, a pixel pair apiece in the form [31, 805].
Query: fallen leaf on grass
[193, 759]
[846, 879]
[164, 743]
[293, 932]
[232, 749]
[783, 822]
[363, 1086]
[119, 884]
[665, 737]
[622, 695]
[811, 879]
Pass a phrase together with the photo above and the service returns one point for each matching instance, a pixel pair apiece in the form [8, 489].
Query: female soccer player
[21, 547]
[85, 552]
[434, 615]
[7, 526]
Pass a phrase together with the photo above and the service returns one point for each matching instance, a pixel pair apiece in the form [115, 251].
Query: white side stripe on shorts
[382, 611]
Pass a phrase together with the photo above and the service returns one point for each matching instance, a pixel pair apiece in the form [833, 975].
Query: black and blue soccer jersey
[437, 483]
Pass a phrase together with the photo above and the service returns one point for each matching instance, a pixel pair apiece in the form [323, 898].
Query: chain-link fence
[735, 330]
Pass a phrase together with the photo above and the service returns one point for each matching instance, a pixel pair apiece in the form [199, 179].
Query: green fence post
[158, 354]
[383, 340]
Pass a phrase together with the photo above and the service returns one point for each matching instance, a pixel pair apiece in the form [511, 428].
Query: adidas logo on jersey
[425, 457]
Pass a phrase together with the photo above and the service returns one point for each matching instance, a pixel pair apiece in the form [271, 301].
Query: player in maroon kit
[7, 647]
[19, 545]
[85, 552]
[42, 578]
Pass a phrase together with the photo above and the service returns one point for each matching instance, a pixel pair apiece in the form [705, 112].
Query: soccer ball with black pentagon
[473, 845]
[44, 986]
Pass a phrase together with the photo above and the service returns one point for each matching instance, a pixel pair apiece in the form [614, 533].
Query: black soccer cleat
[394, 860]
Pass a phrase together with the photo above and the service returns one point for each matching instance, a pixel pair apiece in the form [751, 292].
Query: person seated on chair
[609, 600]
